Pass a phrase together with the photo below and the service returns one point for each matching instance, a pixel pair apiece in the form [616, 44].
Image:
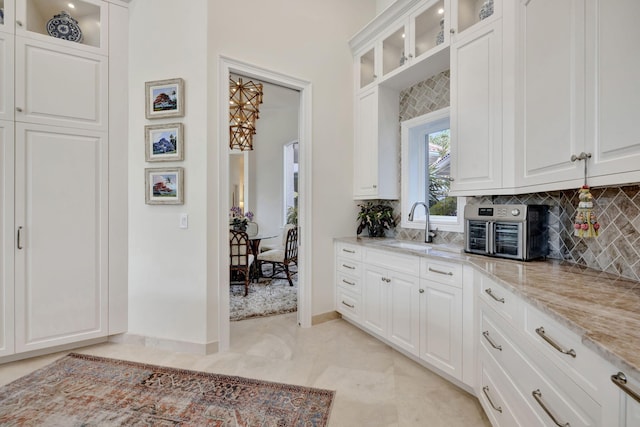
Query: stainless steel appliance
[508, 231]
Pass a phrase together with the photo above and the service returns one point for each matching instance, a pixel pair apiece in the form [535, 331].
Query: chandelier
[244, 99]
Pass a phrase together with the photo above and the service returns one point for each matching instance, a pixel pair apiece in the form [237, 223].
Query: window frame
[413, 166]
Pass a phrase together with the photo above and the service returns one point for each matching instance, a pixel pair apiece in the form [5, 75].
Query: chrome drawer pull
[488, 291]
[446, 273]
[350, 267]
[538, 396]
[485, 390]
[349, 251]
[620, 380]
[493, 344]
[570, 352]
[348, 282]
[348, 305]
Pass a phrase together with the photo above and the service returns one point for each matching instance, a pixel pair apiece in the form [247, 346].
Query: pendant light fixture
[244, 99]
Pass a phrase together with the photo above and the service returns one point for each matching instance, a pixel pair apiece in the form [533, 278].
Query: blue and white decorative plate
[63, 26]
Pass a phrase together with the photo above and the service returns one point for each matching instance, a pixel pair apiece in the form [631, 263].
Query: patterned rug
[266, 298]
[80, 390]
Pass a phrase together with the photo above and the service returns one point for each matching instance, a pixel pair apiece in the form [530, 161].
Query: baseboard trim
[325, 317]
[166, 344]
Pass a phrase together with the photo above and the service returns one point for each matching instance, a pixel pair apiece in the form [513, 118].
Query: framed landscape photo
[164, 143]
[164, 98]
[164, 186]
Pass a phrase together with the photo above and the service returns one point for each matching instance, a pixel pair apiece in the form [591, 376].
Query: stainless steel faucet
[428, 234]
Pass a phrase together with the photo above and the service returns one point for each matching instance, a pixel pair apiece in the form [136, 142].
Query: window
[426, 166]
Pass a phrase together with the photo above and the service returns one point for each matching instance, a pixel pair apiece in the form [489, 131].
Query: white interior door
[61, 206]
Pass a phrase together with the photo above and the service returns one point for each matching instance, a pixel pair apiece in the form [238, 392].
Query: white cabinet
[63, 193]
[551, 70]
[441, 326]
[376, 146]
[576, 93]
[348, 279]
[61, 292]
[390, 306]
[6, 238]
[8, 9]
[59, 86]
[467, 15]
[476, 110]
[6, 76]
[628, 400]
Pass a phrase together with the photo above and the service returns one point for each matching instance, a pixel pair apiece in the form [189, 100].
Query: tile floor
[375, 385]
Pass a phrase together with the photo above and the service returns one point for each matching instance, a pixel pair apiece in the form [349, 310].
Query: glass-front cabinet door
[467, 13]
[6, 16]
[367, 68]
[429, 27]
[394, 50]
[81, 22]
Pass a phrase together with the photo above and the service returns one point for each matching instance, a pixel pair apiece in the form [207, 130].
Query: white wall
[167, 265]
[173, 286]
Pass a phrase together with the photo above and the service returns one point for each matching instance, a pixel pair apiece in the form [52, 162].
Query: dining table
[254, 244]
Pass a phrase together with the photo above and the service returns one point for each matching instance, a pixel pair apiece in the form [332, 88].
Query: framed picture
[164, 186]
[164, 98]
[164, 143]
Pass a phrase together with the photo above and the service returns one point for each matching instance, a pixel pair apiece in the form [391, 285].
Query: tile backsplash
[616, 250]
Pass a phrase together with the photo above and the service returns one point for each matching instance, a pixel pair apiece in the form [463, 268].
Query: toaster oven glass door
[478, 237]
[508, 239]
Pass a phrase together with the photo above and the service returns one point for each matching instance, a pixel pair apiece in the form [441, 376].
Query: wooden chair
[281, 259]
[241, 257]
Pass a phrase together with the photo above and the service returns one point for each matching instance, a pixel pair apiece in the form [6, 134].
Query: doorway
[251, 189]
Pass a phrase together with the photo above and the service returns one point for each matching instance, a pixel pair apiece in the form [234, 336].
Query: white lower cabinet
[441, 326]
[61, 257]
[6, 238]
[390, 306]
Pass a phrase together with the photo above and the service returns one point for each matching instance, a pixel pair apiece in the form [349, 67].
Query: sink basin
[420, 247]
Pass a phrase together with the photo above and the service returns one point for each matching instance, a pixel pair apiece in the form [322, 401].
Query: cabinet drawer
[542, 384]
[569, 353]
[349, 282]
[441, 272]
[502, 403]
[345, 250]
[347, 266]
[348, 304]
[501, 300]
[404, 263]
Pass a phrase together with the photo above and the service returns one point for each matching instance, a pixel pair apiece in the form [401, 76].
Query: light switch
[184, 220]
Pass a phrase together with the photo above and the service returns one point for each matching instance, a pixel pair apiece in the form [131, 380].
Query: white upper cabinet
[88, 18]
[47, 74]
[466, 14]
[577, 92]
[613, 90]
[7, 19]
[476, 110]
[366, 72]
[6, 76]
[551, 69]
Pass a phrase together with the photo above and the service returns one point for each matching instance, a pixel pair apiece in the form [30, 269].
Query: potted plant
[239, 220]
[377, 218]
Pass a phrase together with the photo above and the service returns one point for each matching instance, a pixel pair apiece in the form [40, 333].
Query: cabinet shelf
[32, 17]
[429, 65]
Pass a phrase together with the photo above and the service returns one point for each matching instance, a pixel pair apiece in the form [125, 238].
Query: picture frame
[164, 143]
[164, 186]
[164, 98]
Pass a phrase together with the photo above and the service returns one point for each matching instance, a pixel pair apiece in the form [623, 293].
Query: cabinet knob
[411, 55]
[19, 110]
[452, 30]
[375, 76]
[19, 23]
[375, 186]
[421, 291]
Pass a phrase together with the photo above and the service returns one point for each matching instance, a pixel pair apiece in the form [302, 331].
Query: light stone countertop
[601, 308]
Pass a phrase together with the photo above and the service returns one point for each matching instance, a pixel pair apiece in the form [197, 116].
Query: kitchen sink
[412, 246]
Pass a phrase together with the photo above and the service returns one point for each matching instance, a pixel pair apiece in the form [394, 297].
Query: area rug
[266, 298]
[80, 390]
